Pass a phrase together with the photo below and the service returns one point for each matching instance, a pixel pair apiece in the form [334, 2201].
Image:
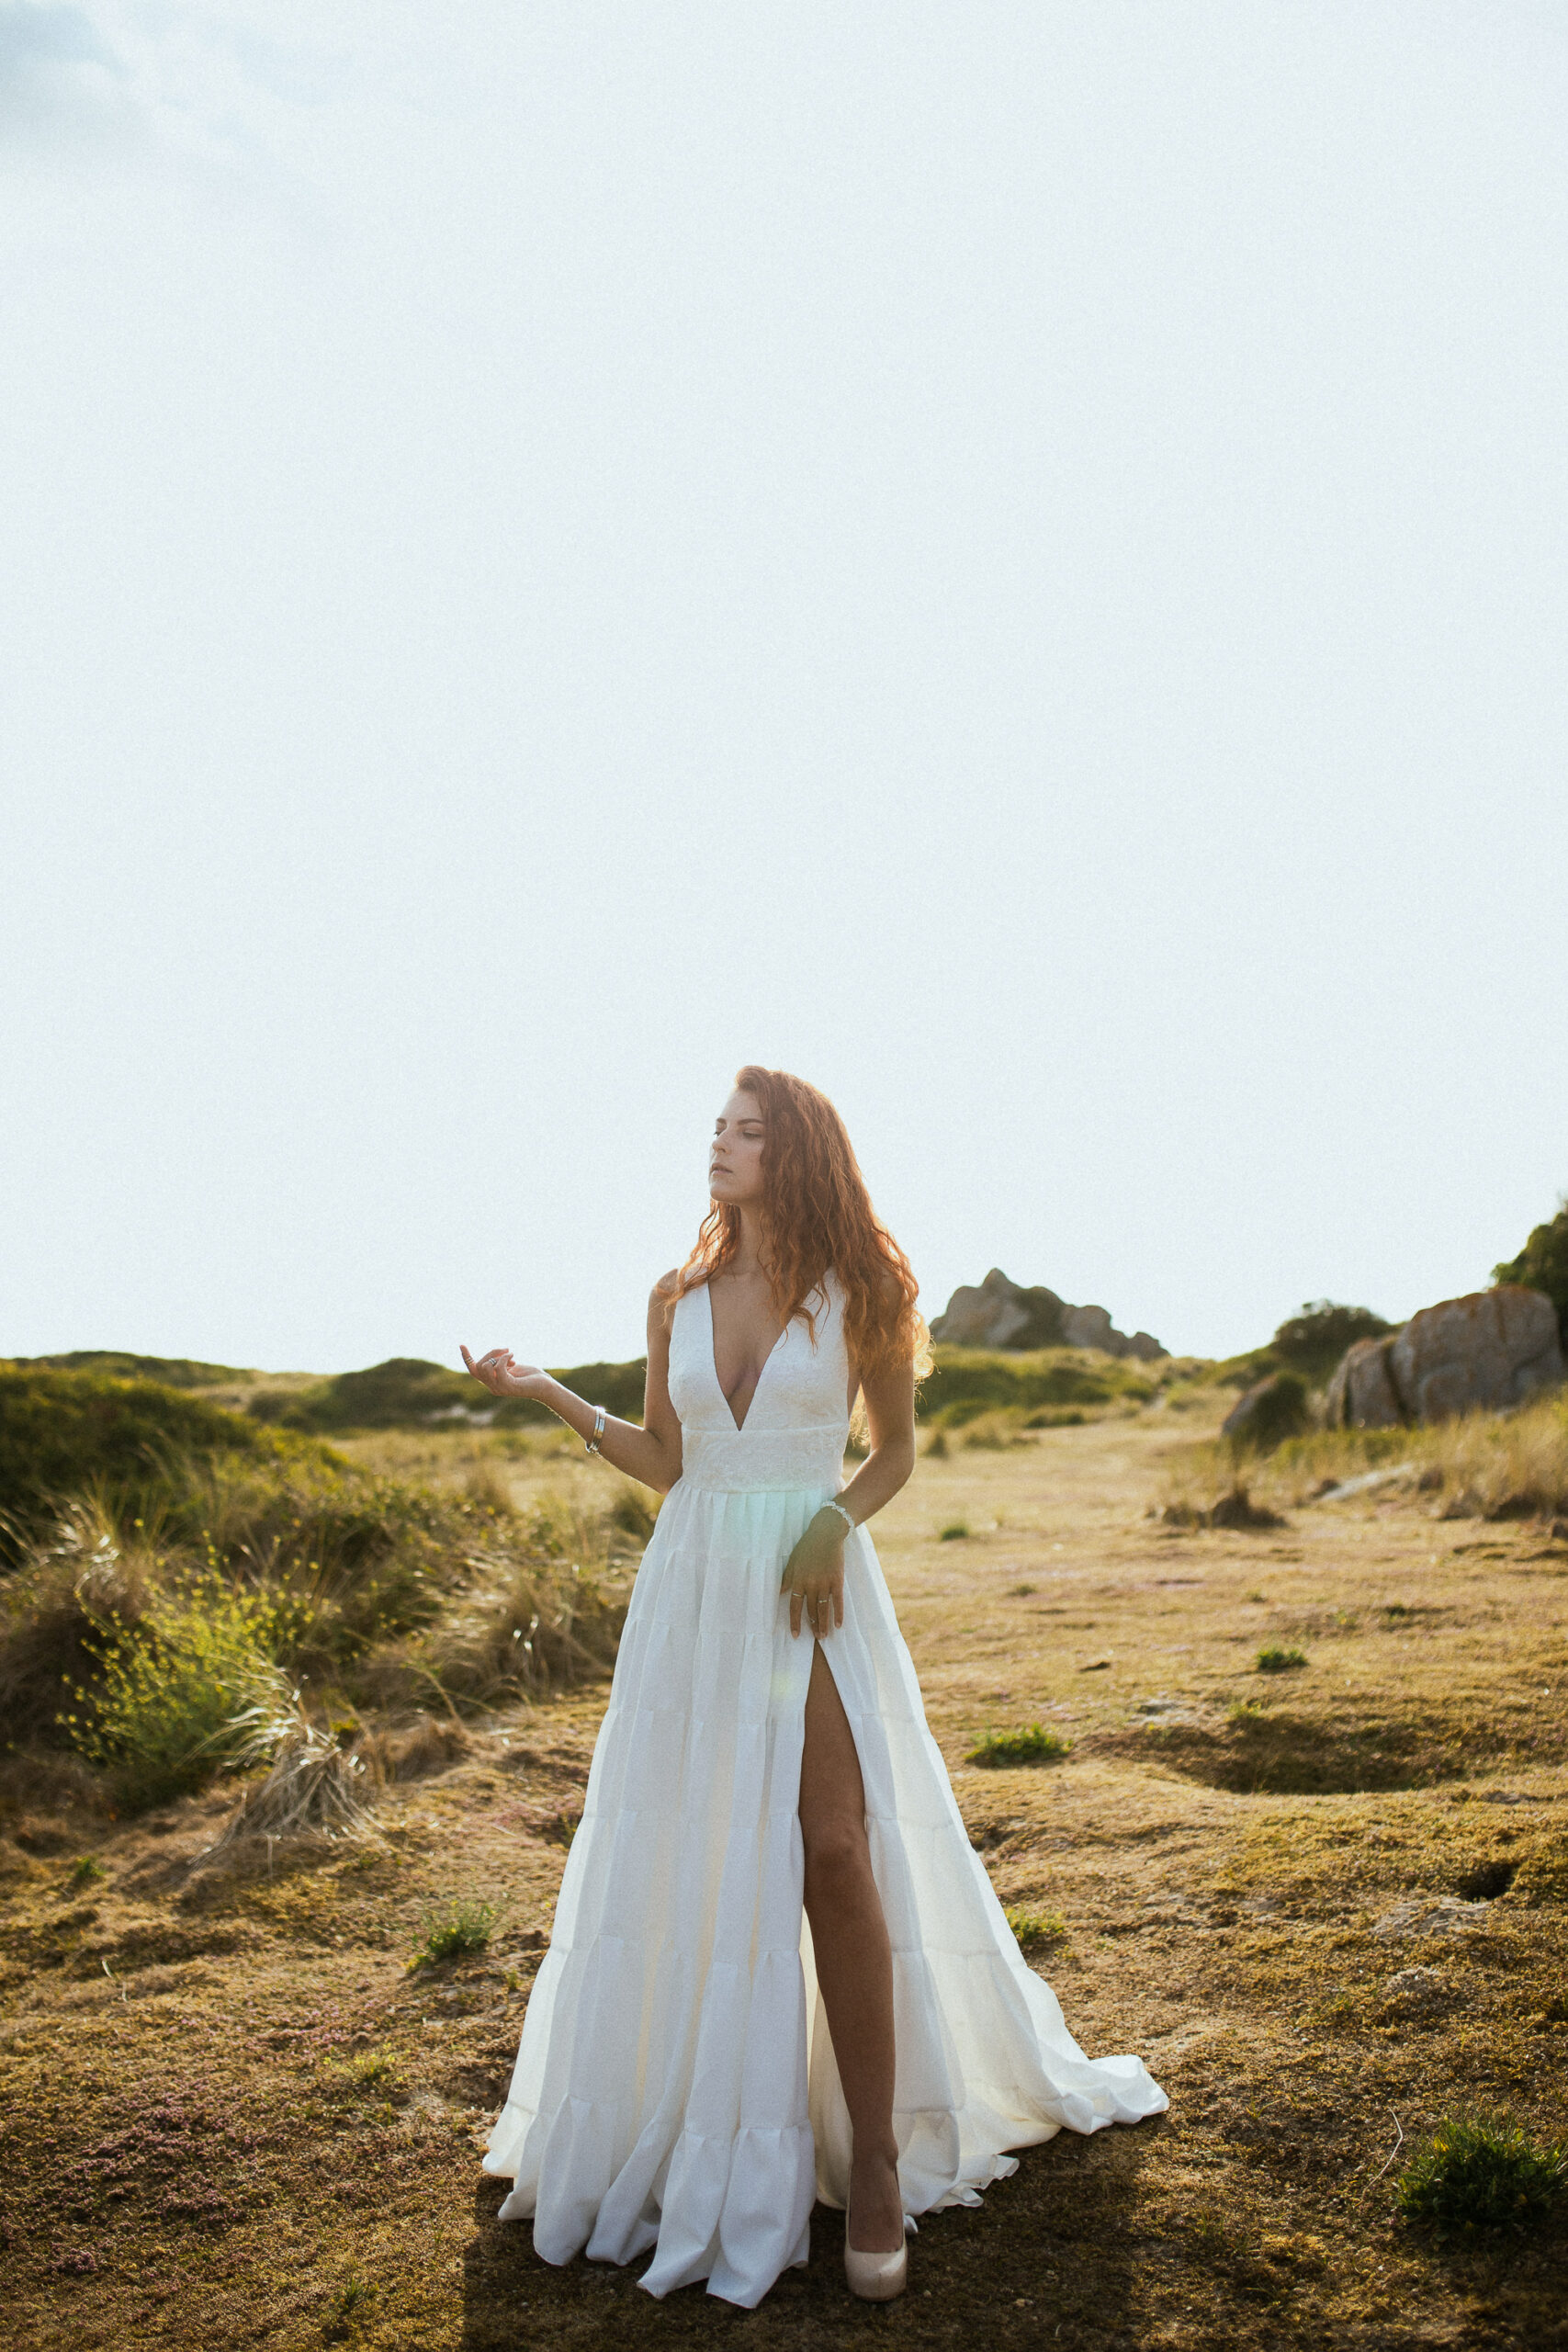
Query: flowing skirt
[676, 2085]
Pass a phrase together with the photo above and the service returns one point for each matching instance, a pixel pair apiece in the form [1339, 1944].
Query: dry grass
[1328, 1907]
[1483, 1465]
[525, 1628]
[55, 1611]
[314, 1786]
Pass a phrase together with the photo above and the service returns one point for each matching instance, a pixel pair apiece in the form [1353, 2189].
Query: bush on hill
[1542, 1264]
[171, 1371]
[406, 1392]
[70, 1432]
[967, 1382]
[1310, 1343]
[1313, 1341]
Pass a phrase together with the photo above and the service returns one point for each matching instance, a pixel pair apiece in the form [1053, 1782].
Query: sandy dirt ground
[1327, 1905]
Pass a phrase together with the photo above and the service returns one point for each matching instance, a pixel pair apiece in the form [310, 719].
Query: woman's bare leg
[854, 1960]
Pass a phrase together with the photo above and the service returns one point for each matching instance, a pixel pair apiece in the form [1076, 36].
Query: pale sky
[1012, 560]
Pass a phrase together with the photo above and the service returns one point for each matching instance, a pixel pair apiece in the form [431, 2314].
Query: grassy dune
[1326, 1902]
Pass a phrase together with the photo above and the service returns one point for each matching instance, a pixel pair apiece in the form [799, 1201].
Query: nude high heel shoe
[875, 2278]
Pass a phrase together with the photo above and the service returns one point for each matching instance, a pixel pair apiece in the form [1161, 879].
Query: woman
[697, 2064]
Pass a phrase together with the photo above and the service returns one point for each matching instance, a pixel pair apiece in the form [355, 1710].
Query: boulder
[1361, 1395]
[1483, 1352]
[1270, 1411]
[997, 1313]
[1486, 1351]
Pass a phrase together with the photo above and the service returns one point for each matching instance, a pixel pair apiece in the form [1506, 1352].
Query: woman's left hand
[814, 1576]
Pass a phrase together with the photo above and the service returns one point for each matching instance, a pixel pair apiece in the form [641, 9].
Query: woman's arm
[651, 1453]
[814, 1574]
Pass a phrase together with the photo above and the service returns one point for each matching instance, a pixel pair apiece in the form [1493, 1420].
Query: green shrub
[346, 1559]
[1542, 1264]
[1310, 1343]
[373, 2067]
[1035, 1926]
[1274, 1660]
[955, 1532]
[456, 1931]
[1481, 2173]
[1033, 1745]
[159, 1718]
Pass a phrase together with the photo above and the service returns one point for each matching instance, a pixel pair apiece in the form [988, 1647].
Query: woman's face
[735, 1156]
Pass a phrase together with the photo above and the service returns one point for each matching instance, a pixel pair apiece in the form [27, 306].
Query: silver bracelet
[843, 1514]
[591, 1444]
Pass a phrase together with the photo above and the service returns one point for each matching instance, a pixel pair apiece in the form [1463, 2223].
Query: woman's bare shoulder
[662, 1298]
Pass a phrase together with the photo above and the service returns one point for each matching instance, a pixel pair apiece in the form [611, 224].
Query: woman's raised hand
[503, 1375]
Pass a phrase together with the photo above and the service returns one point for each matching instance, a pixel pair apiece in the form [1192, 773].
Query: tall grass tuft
[532, 1619]
[313, 1785]
[1481, 2173]
[456, 1931]
[78, 1579]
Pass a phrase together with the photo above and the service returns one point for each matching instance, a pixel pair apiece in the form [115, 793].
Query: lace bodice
[796, 1430]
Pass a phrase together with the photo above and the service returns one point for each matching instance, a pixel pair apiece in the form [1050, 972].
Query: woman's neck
[749, 1245]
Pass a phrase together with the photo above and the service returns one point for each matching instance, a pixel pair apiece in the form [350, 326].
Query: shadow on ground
[1057, 2246]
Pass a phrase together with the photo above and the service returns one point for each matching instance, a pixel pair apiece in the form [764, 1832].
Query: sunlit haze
[1007, 559]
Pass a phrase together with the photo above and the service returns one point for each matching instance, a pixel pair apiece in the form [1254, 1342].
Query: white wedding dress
[676, 2087]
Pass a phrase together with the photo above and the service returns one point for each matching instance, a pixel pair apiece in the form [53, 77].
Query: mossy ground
[1327, 1913]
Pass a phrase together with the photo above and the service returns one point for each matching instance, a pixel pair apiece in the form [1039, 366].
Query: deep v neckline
[712, 1365]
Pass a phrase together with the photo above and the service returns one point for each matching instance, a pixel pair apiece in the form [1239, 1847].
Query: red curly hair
[818, 1213]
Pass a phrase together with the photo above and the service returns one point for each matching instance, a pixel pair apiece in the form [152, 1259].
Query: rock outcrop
[1483, 1352]
[997, 1313]
[1494, 1348]
[1361, 1395]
